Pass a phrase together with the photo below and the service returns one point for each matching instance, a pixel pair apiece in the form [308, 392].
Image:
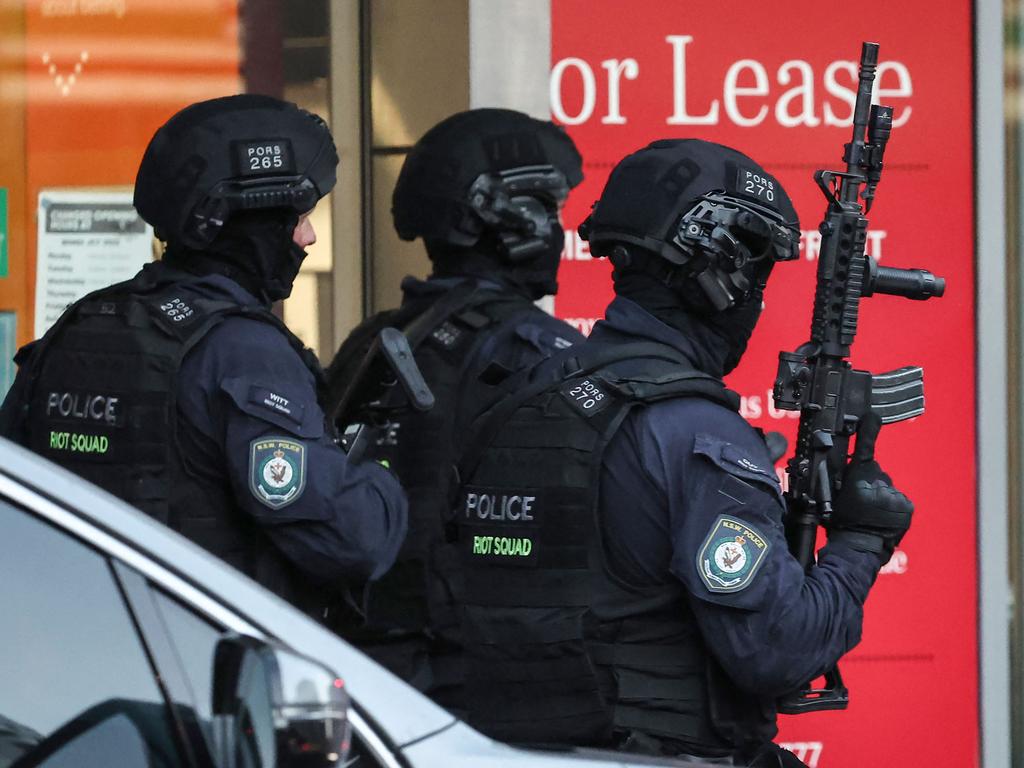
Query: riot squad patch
[730, 555]
[277, 470]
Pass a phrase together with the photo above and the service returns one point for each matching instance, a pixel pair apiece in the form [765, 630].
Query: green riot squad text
[79, 443]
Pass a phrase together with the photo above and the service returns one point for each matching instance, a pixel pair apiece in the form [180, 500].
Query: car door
[185, 641]
[77, 687]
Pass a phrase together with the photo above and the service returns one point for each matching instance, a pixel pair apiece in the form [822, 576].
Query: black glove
[869, 515]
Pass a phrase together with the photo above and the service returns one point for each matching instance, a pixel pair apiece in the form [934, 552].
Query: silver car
[123, 644]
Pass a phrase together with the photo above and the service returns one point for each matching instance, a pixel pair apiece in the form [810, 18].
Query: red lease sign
[779, 85]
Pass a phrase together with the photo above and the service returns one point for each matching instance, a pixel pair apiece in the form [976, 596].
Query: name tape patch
[731, 555]
[277, 403]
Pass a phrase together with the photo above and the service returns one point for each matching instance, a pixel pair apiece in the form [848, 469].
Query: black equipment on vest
[406, 620]
[387, 382]
[228, 154]
[559, 650]
[817, 379]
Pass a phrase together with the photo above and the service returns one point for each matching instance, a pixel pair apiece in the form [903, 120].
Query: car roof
[374, 689]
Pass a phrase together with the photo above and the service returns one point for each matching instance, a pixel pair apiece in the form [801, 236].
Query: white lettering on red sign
[750, 93]
[808, 751]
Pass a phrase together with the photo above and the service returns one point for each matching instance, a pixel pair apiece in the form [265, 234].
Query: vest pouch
[741, 719]
[540, 689]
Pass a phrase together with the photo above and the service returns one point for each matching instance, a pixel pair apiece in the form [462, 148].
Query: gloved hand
[869, 514]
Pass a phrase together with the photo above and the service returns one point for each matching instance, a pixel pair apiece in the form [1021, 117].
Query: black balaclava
[254, 248]
[719, 339]
[534, 278]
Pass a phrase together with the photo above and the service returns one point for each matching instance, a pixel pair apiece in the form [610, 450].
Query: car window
[195, 641]
[76, 679]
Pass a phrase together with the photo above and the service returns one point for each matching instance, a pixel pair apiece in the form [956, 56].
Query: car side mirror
[273, 708]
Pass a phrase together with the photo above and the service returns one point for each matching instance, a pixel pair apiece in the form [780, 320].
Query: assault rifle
[817, 379]
[386, 383]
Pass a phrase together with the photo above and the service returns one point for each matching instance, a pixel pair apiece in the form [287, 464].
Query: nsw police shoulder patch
[277, 470]
[730, 556]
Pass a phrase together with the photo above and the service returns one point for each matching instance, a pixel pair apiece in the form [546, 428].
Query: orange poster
[101, 76]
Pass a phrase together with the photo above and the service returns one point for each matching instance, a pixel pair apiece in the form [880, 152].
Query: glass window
[76, 681]
[195, 641]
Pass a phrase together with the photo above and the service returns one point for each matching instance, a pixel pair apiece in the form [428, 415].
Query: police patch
[730, 555]
[277, 470]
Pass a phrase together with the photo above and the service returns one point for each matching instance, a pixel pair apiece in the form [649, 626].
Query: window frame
[19, 505]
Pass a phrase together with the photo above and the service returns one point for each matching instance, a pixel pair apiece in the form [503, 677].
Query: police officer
[179, 390]
[628, 579]
[483, 189]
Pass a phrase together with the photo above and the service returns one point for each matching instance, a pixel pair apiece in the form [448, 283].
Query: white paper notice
[87, 240]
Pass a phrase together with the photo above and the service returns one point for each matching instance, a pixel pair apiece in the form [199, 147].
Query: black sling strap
[582, 363]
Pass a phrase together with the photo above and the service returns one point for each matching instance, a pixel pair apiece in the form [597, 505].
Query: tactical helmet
[486, 169]
[228, 154]
[711, 214]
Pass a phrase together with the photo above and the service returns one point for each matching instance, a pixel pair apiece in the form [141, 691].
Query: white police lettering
[586, 394]
[264, 157]
[758, 185]
[72, 405]
[490, 506]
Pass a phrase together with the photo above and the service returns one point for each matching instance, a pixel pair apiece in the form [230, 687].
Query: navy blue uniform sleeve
[772, 626]
[247, 391]
[524, 340]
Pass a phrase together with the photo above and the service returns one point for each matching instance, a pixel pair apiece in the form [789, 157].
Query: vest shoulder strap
[671, 375]
[472, 304]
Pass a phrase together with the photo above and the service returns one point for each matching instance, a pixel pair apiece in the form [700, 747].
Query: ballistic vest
[409, 623]
[559, 650]
[101, 402]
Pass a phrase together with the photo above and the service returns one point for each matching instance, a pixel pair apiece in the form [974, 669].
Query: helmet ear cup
[439, 195]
